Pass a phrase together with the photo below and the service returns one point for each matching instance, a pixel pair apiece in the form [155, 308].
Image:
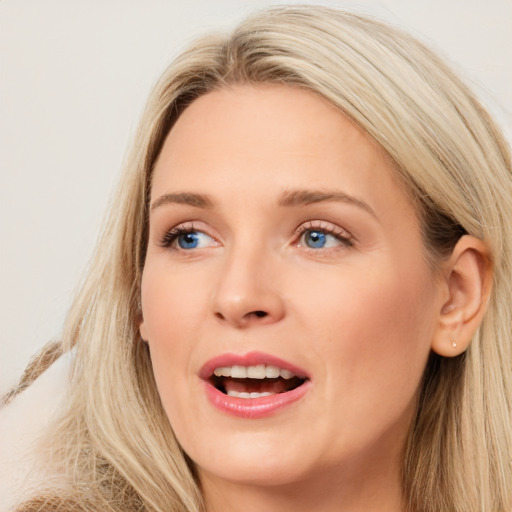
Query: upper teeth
[259, 371]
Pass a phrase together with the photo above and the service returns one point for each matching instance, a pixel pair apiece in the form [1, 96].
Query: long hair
[114, 442]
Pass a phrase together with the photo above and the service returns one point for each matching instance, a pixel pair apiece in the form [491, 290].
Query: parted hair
[113, 443]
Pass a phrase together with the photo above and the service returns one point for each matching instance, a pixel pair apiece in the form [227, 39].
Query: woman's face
[284, 257]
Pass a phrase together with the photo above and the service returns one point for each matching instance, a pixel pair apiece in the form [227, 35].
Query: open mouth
[254, 381]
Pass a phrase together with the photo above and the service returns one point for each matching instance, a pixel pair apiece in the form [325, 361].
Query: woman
[301, 298]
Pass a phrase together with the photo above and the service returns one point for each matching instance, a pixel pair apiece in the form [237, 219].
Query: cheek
[170, 304]
[172, 309]
[373, 330]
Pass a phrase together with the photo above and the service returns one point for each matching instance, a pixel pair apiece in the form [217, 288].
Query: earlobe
[140, 319]
[466, 279]
[142, 331]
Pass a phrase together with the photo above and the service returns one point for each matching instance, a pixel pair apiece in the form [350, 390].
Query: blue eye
[315, 239]
[188, 240]
[324, 238]
[193, 240]
[184, 238]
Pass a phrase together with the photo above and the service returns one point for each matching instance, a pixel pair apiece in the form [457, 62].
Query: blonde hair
[114, 441]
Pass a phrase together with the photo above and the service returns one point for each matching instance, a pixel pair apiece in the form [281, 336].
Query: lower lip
[255, 408]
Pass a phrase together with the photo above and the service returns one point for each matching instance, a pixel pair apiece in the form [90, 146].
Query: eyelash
[340, 234]
[171, 235]
[328, 229]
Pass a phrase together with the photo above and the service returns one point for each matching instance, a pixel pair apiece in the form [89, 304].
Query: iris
[189, 240]
[315, 239]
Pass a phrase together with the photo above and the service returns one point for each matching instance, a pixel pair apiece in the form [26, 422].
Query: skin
[360, 316]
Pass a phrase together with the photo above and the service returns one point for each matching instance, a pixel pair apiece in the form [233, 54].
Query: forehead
[263, 139]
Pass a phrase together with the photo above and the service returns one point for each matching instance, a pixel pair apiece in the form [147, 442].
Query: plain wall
[74, 76]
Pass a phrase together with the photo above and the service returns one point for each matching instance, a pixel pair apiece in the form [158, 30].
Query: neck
[368, 489]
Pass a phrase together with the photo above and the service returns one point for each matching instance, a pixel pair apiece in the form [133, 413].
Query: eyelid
[344, 236]
[341, 234]
[170, 235]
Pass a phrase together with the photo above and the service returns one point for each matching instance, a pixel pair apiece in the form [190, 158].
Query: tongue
[273, 386]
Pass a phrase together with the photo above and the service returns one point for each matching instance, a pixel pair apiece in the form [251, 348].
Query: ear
[466, 285]
[142, 326]
[143, 331]
[140, 318]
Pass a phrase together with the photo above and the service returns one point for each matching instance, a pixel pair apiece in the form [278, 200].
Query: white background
[74, 75]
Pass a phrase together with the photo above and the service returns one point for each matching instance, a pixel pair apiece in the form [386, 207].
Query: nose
[247, 291]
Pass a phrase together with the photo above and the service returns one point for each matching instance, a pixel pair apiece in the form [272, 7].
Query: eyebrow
[188, 198]
[292, 198]
[307, 197]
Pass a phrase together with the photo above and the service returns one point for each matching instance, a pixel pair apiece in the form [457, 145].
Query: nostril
[257, 314]
[244, 319]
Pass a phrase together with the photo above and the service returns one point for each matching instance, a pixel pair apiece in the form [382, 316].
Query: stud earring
[454, 344]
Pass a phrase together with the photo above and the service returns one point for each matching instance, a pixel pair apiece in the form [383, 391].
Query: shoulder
[23, 422]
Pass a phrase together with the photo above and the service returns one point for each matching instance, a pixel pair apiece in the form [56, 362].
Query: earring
[454, 344]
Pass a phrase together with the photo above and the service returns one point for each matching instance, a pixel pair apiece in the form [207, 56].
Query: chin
[258, 471]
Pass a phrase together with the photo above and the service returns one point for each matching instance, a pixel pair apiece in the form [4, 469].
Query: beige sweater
[22, 423]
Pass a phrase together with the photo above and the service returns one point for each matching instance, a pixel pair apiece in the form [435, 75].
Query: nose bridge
[246, 290]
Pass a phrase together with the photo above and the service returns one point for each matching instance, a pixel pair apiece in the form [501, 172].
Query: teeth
[248, 395]
[259, 371]
[272, 372]
[256, 372]
[239, 372]
[223, 371]
[286, 374]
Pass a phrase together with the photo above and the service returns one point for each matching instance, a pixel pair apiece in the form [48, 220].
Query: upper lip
[249, 359]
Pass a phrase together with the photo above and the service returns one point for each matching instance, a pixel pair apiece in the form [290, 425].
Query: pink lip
[252, 408]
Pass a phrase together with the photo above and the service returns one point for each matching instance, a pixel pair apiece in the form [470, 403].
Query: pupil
[315, 239]
[188, 240]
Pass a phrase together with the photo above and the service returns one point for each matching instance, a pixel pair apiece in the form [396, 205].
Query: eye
[192, 240]
[187, 238]
[323, 236]
[317, 239]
